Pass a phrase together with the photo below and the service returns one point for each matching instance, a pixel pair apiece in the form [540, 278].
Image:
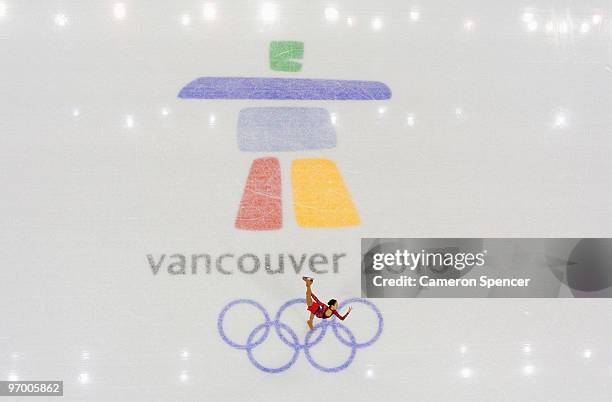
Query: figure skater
[318, 308]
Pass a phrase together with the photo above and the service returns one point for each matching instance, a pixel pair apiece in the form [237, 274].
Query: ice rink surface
[498, 126]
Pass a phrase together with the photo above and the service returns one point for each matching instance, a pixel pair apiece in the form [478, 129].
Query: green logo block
[283, 54]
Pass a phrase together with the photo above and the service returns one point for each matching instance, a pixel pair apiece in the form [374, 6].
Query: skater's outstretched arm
[342, 317]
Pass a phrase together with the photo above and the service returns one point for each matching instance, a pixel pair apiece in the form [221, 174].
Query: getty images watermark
[472, 267]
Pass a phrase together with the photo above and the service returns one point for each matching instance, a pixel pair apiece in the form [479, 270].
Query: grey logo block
[270, 129]
[480, 267]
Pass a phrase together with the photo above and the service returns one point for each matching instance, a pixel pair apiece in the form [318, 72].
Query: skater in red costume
[318, 308]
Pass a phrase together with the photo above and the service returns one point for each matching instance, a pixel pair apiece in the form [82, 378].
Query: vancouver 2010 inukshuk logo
[320, 197]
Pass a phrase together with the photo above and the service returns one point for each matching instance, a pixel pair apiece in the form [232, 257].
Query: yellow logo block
[320, 198]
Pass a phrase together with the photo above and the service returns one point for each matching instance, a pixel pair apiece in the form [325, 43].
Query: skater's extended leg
[309, 322]
[309, 300]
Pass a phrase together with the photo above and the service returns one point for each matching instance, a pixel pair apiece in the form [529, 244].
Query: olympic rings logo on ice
[344, 335]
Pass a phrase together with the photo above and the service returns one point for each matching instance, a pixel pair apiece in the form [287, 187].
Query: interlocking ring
[277, 325]
[334, 325]
[378, 316]
[255, 339]
[222, 317]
